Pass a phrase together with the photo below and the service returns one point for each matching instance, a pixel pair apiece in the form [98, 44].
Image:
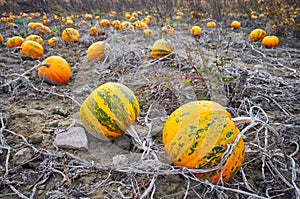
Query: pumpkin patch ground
[47, 152]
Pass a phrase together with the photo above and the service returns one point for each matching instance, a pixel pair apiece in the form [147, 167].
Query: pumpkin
[270, 41]
[167, 30]
[98, 50]
[14, 41]
[196, 136]
[70, 35]
[148, 33]
[211, 24]
[105, 23]
[35, 38]
[1, 39]
[32, 49]
[109, 110]
[55, 70]
[195, 31]
[95, 31]
[235, 25]
[257, 35]
[53, 41]
[161, 48]
[116, 24]
[34, 25]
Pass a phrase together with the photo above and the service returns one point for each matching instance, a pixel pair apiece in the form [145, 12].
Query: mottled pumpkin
[161, 48]
[270, 41]
[35, 38]
[55, 70]
[109, 110]
[211, 24]
[32, 49]
[196, 136]
[257, 34]
[70, 35]
[195, 31]
[98, 51]
[235, 25]
[14, 41]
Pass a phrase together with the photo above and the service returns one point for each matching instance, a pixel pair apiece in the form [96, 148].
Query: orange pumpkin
[14, 41]
[148, 33]
[116, 24]
[55, 70]
[32, 49]
[235, 25]
[1, 39]
[70, 35]
[211, 24]
[105, 23]
[98, 50]
[53, 41]
[95, 31]
[270, 41]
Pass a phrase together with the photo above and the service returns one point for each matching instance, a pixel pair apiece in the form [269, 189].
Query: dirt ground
[223, 66]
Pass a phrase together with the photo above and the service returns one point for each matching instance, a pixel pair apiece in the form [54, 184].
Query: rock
[74, 138]
[35, 138]
[22, 156]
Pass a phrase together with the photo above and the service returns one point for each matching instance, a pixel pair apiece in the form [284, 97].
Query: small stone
[22, 156]
[74, 138]
[53, 123]
[35, 138]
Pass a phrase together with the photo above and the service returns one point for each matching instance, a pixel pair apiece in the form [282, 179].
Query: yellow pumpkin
[161, 48]
[14, 41]
[235, 25]
[116, 24]
[270, 41]
[35, 38]
[70, 35]
[148, 33]
[53, 41]
[98, 51]
[195, 31]
[196, 136]
[257, 35]
[211, 24]
[55, 70]
[32, 49]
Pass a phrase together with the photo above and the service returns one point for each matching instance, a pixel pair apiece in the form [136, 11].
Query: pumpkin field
[160, 99]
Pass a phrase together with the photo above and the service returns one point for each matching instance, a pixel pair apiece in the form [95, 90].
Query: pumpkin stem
[45, 64]
[242, 120]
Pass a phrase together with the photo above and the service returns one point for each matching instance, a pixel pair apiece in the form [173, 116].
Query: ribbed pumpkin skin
[109, 110]
[1, 39]
[98, 50]
[161, 48]
[32, 49]
[14, 41]
[70, 35]
[56, 70]
[196, 136]
[36, 38]
[270, 41]
[257, 35]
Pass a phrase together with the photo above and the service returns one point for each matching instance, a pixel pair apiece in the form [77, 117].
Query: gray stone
[22, 156]
[74, 138]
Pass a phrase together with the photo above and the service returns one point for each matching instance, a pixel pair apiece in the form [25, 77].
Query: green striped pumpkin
[257, 35]
[196, 136]
[161, 48]
[109, 110]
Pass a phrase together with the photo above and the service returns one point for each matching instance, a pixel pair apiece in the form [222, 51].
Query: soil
[222, 65]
